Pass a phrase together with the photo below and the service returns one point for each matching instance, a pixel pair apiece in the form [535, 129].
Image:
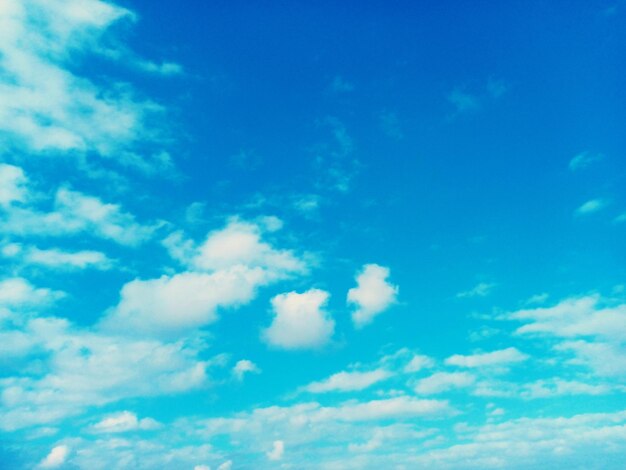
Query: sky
[312, 235]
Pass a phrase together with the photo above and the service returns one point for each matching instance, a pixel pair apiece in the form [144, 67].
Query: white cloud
[592, 206]
[584, 160]
[348, 381]
[372, 295]
[65, 111]
[55, 258]
[12, 184]
[444, 381]
[418, 362]
[75, 212]
[124, 421]
[244, 367]
[481, 289]
[172, 305]
[57, 457]
[278, 449]
[19, 292]
[83, 368]
[239, 243]
[494, 358]
[577, 316]
[226, 465]
[201, 467]
[300, 321]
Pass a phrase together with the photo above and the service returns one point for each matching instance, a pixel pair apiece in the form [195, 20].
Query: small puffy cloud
[592, 206]
[226, 465]
[201, 467]
[12, 184]
[481, 289]
[300, 321]
[348, 381]
[123, 422]
[584, 160]
[494, 358]
[418, 362]
[244, 367]
[57, 457]
[372, 295]
[278, 449]
[444, 381]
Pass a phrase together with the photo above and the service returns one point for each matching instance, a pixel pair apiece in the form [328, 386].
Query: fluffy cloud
[19, 292]
[65, 111]
[84, 368]
[278, 449]
[577, 316]
[57, 457]
[348, 381]
[244, 367]
[74, 212]
[443, 381]
[372, 295]
[494, 358]
[300, 321]
[12, 184]
[123, 422]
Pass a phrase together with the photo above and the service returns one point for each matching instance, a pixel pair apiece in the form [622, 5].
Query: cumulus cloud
[124, 421]
[57, 457]
[226, 465]
[418, 362]
[300, 321]
[443, 381]
[348, 381]
[244, 367]
[19, 292]
[494, 358]
[372, 295]
[278, 449]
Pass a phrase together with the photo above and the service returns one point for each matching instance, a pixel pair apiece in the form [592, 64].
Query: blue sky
[240, 235]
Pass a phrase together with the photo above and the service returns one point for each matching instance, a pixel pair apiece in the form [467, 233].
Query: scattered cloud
[124, 421]
[441, 382]
[584, 160]
[592, 206]
[494, 358]
[243, 367]
[372, 295]
[481, 289]
[348, 381]
[300, 321]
